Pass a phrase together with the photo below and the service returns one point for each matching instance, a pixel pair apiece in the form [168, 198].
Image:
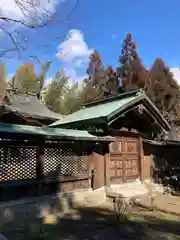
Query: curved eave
[155, 113]
[26, 132]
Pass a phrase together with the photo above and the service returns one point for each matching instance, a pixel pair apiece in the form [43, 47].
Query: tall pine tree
[27, 81]
[164, 90]
[97, 74]
[113, 82]
[158, 81]
[55, 92]
[131, 72]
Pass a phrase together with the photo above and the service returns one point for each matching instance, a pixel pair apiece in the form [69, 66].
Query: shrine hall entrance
[124, 159]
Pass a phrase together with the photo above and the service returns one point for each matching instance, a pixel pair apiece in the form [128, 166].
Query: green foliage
[96, 71]
[42, 76]
[64, 97]
[26, 80]
[2, 81]
[72, 100]
[163, 89]
[91, 93]
[56, 92]
[127, 57]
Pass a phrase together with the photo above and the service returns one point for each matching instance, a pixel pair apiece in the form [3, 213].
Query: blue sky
[102, 25]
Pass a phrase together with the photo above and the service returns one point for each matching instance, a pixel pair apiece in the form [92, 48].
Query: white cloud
[176, 74]
[9, 76]
[48, 81]
[81, 78]
[81, 63]
[73, 47]
[74, 53]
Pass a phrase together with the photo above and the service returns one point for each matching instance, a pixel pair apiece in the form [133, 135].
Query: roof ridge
[113, 98]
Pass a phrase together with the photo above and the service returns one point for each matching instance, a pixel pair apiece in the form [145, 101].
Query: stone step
[153, 187]
[128, 192]
[127, 184]
[95, 197]
[135, 188]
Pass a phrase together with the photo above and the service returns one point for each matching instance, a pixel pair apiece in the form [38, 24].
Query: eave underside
[134, 121]
[136, 117]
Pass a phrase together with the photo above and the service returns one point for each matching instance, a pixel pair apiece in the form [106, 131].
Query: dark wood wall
[163, 155]
[29, 169]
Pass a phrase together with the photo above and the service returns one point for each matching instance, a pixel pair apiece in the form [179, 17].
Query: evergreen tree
[65, 98]
[113, 82]
[163, 89]
[72, 100]
[131, 72]
[97, 73]
[3, 84]
[158, 82]
[124, 70]
[27, 81]
[90, 93]
[55, 93]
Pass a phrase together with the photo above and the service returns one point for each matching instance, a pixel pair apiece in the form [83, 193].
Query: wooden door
[131, 158]
[146, 167]
[124, 159]
[116, 161]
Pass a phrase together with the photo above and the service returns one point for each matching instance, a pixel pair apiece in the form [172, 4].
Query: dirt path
[100, 223]
[165, 203]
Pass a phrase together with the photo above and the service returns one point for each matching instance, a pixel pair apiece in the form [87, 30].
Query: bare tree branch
[24, 23]
[34, 17]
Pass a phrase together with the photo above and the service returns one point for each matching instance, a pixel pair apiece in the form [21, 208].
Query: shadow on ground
[85, 223]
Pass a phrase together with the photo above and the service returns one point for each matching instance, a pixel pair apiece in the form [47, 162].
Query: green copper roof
[94, 112]
[106, 109]
[49, 133]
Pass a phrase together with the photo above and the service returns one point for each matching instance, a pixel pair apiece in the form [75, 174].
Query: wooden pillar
[123, 149]
[40, 169]
[145, 162]
[98, 162]
[141, 159]
[107, 169]
[107, 166]
[97, 170]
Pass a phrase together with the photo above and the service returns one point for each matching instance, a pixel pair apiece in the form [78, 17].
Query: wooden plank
[124, 170]
[40, 169]
[130, 153]
[107, 168]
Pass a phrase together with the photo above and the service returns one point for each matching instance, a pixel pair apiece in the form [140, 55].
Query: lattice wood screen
[17, 163]
[65, 162]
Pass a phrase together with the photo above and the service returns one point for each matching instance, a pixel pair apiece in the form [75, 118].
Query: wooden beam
[40, 169]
